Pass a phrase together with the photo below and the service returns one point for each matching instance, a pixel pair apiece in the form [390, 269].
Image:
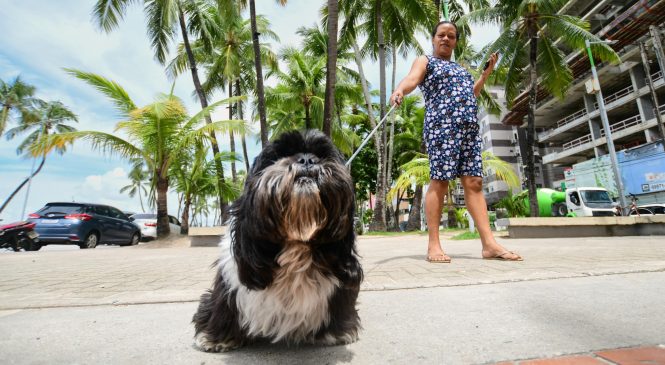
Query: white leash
[348, 162]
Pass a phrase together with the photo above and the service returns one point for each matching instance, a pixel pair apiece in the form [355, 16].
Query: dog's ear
[255, 258]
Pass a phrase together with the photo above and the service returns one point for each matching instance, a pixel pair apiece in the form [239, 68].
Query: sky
[41, 37]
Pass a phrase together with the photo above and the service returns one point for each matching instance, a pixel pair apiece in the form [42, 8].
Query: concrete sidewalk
[133, 305]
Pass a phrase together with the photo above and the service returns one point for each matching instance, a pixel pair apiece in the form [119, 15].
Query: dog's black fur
[259, 233]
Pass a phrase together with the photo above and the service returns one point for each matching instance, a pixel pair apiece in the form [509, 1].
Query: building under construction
[570, 131]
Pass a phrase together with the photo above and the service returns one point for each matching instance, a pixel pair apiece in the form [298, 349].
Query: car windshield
[596, 196]
[144, 216]
[61, 209]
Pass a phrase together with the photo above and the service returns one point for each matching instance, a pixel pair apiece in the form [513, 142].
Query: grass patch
[466, 236]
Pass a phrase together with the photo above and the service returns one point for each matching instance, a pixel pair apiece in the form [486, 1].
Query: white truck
[587, 202]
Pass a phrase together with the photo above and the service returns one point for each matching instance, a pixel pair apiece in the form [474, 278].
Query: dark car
[85, 225]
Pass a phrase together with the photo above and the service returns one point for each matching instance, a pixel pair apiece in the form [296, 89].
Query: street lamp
[606, 124]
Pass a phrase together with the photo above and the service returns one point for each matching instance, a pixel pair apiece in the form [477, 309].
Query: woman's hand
[396, 97]
[491, 63]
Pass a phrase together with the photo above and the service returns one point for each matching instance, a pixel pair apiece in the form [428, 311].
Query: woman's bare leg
[433, 204]
[477, 207]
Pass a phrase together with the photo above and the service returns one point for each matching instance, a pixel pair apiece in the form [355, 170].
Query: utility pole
[647, 70]
[606, 125]
[658, 47]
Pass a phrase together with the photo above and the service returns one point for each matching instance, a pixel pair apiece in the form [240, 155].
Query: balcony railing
[626, 123]
[654, 77]
[578, 114]
[577, 142]
[616, 96]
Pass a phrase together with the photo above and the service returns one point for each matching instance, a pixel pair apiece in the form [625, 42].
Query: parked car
[148, 224]
[655, 208]
[83, 224]
[641, 211]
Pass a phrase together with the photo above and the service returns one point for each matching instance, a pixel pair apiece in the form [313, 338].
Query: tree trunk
[184, 220]
[308, 122]
[21, 185]
[232, 140]
[391, 138]
[331, 67]
[242, 137]
[141, 200]
[163, 228]
[3, 118]
[379, 217]
[531, 122]
[437, 3]
[413, 223]
[259, 76]
[219, 170]
[377, 138]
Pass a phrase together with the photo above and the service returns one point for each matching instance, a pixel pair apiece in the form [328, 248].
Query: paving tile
[635, 356]
[565, 360]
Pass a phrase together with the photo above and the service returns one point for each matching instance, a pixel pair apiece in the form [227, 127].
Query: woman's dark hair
[444, 22]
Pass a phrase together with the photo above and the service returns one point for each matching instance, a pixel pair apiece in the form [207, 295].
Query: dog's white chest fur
[293, 306]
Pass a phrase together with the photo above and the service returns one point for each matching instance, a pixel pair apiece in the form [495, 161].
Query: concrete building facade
[570, 131]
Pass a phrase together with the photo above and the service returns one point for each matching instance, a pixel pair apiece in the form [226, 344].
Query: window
[115, 213]
[102, 210]
[574, 198]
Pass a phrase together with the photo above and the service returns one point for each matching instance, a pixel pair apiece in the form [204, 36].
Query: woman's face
[444, 40]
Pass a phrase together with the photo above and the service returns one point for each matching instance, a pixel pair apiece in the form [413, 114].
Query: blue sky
[41, 37]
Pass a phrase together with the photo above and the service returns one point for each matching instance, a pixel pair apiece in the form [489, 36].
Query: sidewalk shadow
[273, 354]
[424, 257]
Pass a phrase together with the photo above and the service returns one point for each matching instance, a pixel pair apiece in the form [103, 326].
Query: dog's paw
[330, 339]
[203, 343]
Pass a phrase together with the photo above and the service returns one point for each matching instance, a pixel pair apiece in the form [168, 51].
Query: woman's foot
[441, 258]
[497, 252]
[436, 255]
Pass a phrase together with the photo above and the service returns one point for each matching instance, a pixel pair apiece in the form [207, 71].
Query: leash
[348, 162]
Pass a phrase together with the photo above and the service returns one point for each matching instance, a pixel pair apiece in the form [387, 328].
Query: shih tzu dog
[288, 269]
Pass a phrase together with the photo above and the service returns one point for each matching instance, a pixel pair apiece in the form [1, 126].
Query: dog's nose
[307, 159]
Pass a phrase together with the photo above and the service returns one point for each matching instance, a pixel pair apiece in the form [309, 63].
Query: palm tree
[367, 18]
[331, 66]
[164, 19]
[225, 66]
[538, 24]
[138, 178]
[193, 177]
[409, 142]
[259, 70]
[44, 119]
[296, 101]
[15, 95]
[301, 84]
[157, 133]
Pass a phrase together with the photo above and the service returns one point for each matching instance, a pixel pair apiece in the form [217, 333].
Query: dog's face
[299, 190]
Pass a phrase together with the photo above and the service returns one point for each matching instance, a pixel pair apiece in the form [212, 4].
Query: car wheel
[90, 241]
[29, 245]
[136, 237]
[560, 210]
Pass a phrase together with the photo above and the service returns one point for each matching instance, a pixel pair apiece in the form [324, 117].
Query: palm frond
[109, 88]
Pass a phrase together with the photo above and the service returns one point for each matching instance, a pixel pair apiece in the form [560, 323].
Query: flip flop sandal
[438, 259]
[502, 257]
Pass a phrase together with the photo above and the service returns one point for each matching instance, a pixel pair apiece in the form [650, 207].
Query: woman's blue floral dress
[451, 130]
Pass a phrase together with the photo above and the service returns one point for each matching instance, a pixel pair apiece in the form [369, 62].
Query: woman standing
[452, 136]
